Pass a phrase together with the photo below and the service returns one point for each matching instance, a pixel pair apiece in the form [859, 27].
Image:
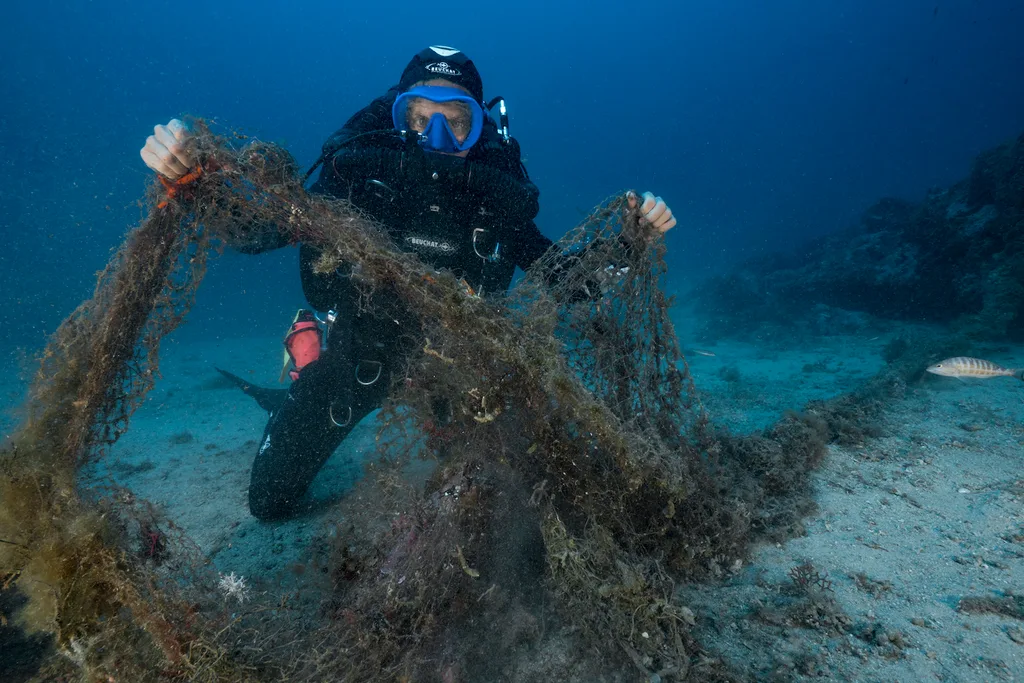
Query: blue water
[760, 123]
[763, 124]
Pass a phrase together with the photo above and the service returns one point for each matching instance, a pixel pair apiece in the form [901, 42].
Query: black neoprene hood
[448, 63]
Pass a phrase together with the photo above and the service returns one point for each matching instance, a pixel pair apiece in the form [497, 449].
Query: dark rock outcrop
[957, 257]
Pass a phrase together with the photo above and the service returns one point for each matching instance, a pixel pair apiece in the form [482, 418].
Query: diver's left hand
[655, 211]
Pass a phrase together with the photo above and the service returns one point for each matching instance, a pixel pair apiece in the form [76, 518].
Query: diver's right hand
[165, 150]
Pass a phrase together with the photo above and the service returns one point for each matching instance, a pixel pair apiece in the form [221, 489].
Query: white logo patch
[442, 68]
[266, 444]
[444, 50]
[430, 244]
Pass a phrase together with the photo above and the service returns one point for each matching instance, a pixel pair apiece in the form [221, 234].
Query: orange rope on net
[176, 186]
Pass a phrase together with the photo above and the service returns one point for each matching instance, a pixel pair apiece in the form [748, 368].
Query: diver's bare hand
[165, 150]
[655, 211]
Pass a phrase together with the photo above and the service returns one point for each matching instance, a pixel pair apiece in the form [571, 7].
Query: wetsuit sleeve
[257, 238]
[528, 245]
[372, 117]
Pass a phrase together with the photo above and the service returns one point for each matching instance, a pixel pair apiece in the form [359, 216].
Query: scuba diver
[476, 222]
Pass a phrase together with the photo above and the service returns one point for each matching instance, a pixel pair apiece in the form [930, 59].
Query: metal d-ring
[330, 411]
[374, 183]
[497, 247]
[327, 322]
[380, 367]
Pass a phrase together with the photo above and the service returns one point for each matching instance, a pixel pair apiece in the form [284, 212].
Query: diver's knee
[268, 508]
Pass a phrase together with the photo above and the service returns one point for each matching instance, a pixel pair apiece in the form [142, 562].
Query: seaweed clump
[579, 469]
[1007, 605]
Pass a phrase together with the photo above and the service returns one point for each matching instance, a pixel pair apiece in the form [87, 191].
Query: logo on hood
[444, 50]
[442, 68]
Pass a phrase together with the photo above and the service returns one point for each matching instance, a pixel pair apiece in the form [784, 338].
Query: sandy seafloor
[909, 523]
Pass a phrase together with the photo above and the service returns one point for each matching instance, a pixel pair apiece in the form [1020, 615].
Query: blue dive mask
[440, 135]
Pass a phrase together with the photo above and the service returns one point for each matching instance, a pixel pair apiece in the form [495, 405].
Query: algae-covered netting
[577, 478]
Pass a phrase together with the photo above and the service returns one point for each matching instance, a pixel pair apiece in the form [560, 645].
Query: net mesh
[578, 477]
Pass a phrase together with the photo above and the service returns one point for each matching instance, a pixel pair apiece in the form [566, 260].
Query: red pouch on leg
[303, 342]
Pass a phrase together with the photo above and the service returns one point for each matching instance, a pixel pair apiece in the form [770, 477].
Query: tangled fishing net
[577, 474]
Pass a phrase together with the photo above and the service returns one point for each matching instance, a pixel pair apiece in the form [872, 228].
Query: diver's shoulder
[494, 150]
[374, 116]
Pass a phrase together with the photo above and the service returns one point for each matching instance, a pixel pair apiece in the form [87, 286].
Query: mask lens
[420, 112]
[447, 119]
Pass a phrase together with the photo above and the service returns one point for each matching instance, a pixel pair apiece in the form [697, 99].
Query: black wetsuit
[473, 216]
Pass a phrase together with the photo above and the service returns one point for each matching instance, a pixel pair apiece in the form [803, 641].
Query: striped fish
[962, 366]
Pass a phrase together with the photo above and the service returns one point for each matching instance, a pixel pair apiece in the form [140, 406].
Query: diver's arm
[527, 248]
[531, 245]
[373, 117]
[257, 238]
[528, 244]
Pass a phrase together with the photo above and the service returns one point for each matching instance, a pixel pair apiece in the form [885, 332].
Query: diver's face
[420, 109]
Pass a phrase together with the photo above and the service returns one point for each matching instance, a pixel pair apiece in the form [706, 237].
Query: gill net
[578, 474]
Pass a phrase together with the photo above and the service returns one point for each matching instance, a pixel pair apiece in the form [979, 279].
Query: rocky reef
[956, 258]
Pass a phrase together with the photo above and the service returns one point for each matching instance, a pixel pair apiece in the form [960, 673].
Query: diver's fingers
[161, 160]
[663, 218]
[649, 201]
[654, 214]
[173, 161]
[177, 129]
[171, 138]
[151, 159]
[667, 225]
[156, 163]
